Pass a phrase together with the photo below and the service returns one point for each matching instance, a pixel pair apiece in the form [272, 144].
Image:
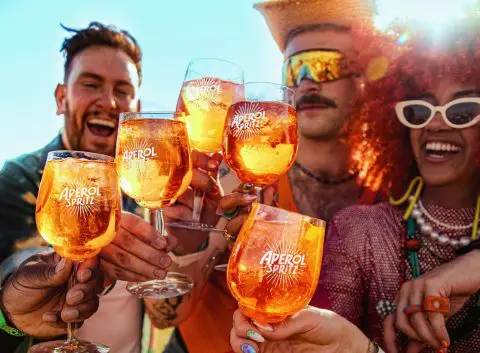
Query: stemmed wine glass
[78, 212]
[275, 264]
[205, 97]
[260, 139]
[155, 168]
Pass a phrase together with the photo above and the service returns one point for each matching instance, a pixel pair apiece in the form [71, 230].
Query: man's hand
[138, 253]
[205, 178]
[239, 203]
[36, 300]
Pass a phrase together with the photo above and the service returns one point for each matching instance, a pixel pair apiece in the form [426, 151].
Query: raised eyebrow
[90, 75]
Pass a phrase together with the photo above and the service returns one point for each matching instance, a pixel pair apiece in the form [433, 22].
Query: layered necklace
[417, 218]
[423, 218]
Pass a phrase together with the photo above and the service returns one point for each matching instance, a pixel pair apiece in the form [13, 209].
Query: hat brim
[284, 16]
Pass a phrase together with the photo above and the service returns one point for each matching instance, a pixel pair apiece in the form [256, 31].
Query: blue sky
[171, 33]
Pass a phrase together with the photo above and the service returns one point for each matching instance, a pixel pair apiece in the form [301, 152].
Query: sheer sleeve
[341, 287]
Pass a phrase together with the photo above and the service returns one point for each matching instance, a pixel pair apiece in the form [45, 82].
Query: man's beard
[74, 133]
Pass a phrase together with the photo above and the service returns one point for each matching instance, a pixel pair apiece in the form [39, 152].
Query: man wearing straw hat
[316, 40]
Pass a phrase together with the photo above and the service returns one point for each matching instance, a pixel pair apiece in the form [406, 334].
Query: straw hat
[283, 16]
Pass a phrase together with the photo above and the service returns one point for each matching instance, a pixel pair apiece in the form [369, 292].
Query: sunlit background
[170, 33]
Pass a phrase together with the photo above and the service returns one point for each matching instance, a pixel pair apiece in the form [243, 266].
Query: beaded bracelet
[8, 329]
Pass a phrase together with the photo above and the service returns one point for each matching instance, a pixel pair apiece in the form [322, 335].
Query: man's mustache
[313, 98]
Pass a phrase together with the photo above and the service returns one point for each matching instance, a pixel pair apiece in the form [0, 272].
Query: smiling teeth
[441, 146]
[102, 122]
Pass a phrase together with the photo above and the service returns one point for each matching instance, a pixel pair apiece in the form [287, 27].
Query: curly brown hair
[401, 62]
[99, 34]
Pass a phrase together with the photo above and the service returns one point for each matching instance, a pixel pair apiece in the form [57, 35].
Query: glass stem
[259, 194]
[198, 196]
[155, 218]
[72, 326]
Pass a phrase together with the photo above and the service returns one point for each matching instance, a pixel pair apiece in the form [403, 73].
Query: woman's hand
[456, 281]
[310, 330]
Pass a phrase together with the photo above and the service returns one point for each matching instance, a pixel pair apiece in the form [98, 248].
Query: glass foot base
[173, 285]
[194, 226]
[78, 346]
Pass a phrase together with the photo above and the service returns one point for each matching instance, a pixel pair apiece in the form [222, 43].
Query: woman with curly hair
[418, 139]
[420, 142]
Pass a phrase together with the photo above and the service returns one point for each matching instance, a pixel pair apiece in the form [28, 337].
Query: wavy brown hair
[99, 34]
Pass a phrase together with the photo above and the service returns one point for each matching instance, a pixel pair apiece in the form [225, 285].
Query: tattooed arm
[163, 312]
[172, 311]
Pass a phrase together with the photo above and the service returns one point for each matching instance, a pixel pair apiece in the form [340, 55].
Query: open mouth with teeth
[441, 149]
[101, 127]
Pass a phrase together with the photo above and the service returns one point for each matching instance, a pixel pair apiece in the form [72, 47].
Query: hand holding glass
[275, 263]
[207, 93]
[78, 212]
[155, 168]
